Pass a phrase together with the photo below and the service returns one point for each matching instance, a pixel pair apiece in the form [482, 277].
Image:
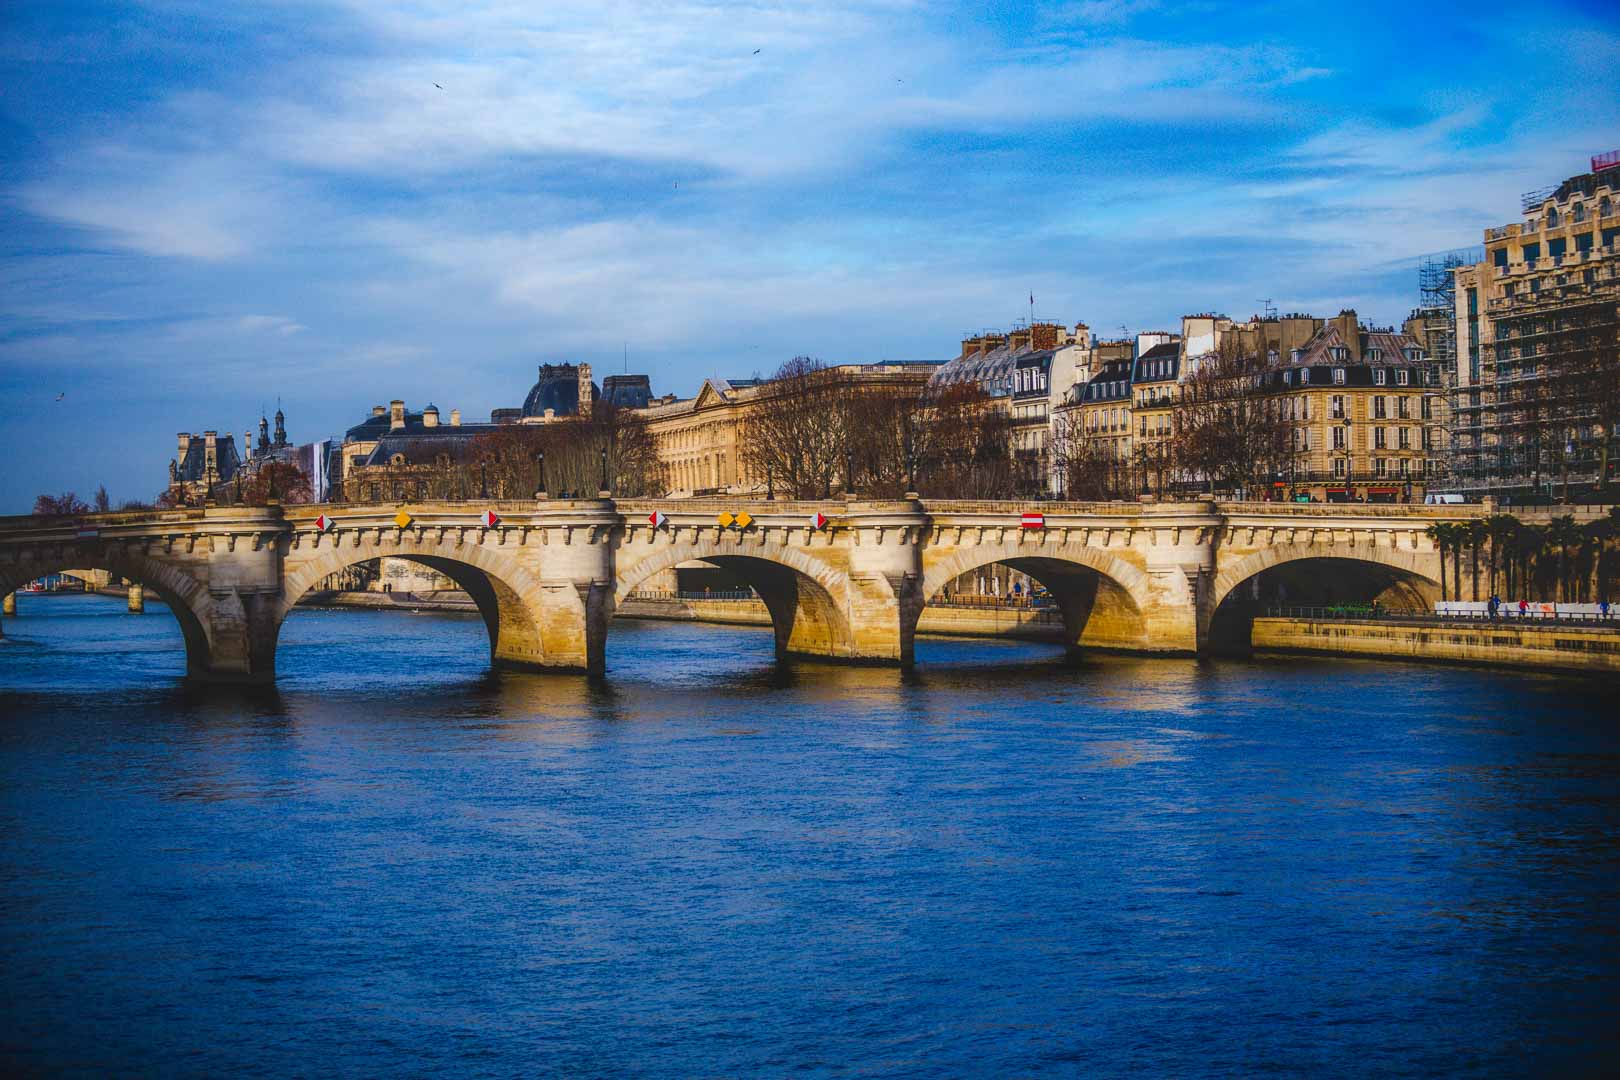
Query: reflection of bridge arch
[1103, 598]
[806, 597]
[184, 594]
[508, 596]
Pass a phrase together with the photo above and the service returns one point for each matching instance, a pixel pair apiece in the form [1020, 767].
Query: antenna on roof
[627, 358]
[1267, 308]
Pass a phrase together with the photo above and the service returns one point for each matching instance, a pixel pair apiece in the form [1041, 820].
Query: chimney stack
[378, 410]
[210, 449]
[184, 439]
[430, 416]
[455, 417]
[396, 414]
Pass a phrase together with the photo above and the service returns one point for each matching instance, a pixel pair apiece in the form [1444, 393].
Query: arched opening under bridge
[1082, 599]
[800, 596]
[186, 599]
[1308, 585]
[504, 597]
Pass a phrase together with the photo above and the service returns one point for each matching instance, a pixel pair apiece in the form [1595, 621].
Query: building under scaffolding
[1535, 374]
[1434, 324]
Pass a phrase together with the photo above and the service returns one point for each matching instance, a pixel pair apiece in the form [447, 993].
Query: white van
[1443, 500]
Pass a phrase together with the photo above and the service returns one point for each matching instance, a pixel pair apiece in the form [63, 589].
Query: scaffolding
[1436, 316]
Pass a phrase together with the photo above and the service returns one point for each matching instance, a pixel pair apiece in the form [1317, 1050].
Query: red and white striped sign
[657, 519]
[818, 520]
[491, 519]
[323, 523]
[1033, 521]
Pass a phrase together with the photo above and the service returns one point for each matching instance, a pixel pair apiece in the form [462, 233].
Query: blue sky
[211, 206]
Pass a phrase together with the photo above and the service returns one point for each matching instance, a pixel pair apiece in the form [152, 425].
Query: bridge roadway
[1149, 577]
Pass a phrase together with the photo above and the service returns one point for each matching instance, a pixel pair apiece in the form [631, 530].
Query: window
[1552, 218]
[1378, 407]
[1532, 252]
[1338, 467]
[1583, 241]
[1403, 377]
[1378, 376]
[1338, 438]
[1378, 439]
[1404, 466]
[1336, 406]
[1304, 376]
[1556, 246]
[1578, 214]
[1338, 376]
[1404, 438]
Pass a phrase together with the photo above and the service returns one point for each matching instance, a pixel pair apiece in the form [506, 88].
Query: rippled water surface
[401, 863]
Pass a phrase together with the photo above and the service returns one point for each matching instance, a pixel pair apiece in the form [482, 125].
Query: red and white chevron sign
[818, 520]
[657, 519]
[323, 523]
[491, 519]
[1033, 521]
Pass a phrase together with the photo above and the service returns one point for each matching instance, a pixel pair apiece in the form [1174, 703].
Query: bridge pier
[137, 598]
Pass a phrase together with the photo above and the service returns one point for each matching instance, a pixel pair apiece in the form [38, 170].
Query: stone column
[885, 576]
[137, 597]
[1180, 560]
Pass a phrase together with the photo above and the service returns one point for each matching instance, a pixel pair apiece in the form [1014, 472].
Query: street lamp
[1349, 461]
[540, 474]
[605, 490]
[483, 479]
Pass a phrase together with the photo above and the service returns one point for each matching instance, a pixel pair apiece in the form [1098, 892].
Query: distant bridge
[842, 579]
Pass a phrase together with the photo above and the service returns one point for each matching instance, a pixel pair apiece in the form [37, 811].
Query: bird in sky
[756, 52]
[62, 395]
[439, 87]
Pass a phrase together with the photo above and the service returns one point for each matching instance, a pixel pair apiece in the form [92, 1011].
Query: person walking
[1524, 608]
[1495, 605]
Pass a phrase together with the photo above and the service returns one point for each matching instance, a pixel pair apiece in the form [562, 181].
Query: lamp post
[605, 490]
[1349, 460]
[540, 474]
[849, 473]
[770, 483]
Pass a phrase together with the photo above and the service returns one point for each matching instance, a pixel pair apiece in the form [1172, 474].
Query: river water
[401, 863]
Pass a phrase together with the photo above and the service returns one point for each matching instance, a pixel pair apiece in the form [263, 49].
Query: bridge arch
[186, 597]
[1103, 598]
[806, 598]
[1314, 574]
[509, 597]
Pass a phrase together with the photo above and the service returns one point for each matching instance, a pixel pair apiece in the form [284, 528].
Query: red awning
[1384, 490]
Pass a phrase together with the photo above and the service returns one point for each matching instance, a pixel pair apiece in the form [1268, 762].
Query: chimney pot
[455, 417]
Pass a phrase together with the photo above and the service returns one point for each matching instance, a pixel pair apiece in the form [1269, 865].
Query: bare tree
[103, 500]
[797, 434]
[65, 503]
[963, 445]
[1232, 430]
[1087, 465]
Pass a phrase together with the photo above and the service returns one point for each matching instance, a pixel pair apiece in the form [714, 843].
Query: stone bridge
[843, 579]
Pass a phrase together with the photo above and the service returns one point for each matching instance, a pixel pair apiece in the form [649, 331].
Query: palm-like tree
[1563, 534]
[1499, 528]
[1528, 546]
[1440, 533]
[1476, 533]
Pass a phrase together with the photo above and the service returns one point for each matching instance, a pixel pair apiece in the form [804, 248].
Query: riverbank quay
[1560, 646]
[440, 600]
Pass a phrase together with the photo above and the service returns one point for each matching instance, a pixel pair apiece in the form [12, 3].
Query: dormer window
[1375, 355]
[1378, 376]
[1579, 213]
[1338, 376]
[1402, 377]
[1304, 375]
[1293, 356]
[1552, 218]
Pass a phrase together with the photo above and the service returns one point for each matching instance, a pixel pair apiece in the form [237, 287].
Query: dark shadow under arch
[1314, 582]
